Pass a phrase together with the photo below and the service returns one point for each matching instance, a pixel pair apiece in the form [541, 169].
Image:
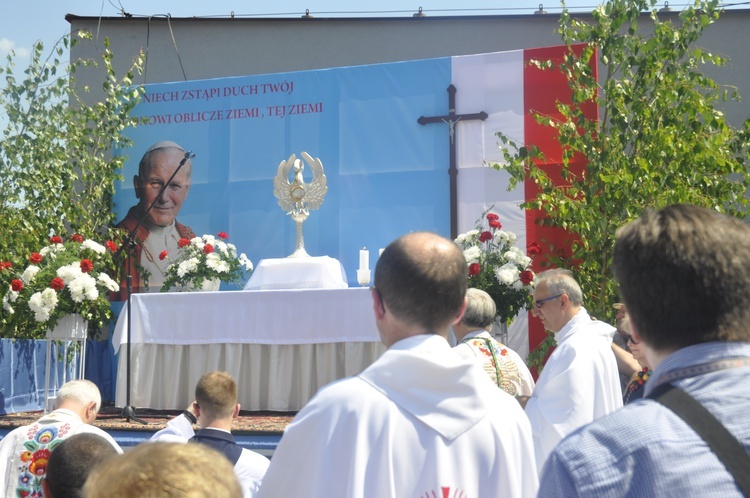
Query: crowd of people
[426, 419]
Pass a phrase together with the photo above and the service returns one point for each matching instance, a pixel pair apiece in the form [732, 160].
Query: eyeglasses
[540, 302]
[628, 338]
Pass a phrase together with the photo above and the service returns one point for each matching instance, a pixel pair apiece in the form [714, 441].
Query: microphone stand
[128, 411]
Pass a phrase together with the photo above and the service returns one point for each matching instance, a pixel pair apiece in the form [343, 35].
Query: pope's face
[163, 163]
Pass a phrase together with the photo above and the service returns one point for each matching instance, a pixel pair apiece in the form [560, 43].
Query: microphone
[189, 155]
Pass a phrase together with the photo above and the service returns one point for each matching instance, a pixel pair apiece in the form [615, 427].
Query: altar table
[280, 345]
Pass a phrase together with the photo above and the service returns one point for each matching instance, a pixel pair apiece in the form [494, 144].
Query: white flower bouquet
[204, 260]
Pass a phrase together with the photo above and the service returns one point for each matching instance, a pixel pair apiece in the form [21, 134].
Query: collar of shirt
[568, 329]
[696, 354]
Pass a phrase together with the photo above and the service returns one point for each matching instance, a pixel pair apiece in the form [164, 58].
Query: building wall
[212, 48]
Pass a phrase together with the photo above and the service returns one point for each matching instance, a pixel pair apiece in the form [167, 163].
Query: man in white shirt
[420, 421]
[503, 365]
[25, 451]
[214, 408]
[580, 381]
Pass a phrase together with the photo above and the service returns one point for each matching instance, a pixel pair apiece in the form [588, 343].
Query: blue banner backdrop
[387, 175]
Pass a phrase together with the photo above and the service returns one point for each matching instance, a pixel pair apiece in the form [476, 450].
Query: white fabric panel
[492, 83]
[302, 316]
[269, 377]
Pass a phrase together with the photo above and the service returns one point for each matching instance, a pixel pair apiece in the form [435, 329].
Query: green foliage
[57, 172]
[660, 139]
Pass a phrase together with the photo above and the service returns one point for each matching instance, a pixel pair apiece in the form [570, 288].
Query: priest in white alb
[420, 421]
[580, 381]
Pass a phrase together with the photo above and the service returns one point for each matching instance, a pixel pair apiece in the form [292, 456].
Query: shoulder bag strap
[729, 450]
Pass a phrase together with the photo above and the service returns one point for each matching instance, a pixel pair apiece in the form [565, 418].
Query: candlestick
[364, 259]
[363, 277]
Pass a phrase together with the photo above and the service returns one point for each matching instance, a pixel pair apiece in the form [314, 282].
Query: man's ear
[236, 412]
[461, 312]
[137, 186]
[377, 304]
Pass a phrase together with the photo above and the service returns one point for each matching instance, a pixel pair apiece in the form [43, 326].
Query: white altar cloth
[281, 346]
[319, 272]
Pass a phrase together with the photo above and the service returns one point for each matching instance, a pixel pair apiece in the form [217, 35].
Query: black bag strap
[729, 450]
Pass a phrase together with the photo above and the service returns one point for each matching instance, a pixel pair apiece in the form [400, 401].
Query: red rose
[223, 235]
[111, 245]
[163, 255]
[55, 239]
[492, 217]
[86, 265]
[533, 249]
[208, 248]
[474, 269]
[76, 238]
[485, 236]
[35, 258]
[183, 242]
[16, 285]
[57, 284]
[6, 265]
[495, 224]
[526, 277]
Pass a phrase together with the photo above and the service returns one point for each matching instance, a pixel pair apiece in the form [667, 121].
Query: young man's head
[166, 470]
[71, 462]
[216, 397]
[684, 274]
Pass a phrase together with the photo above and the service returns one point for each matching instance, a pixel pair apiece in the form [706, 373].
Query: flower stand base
[71, 331]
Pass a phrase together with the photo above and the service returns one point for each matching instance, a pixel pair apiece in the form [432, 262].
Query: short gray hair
[81, 391]
[561, 281]
[480, 309]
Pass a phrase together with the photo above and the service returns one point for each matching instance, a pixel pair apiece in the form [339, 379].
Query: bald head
[422, 279]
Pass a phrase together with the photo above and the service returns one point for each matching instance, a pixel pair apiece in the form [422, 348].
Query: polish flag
[508, 88]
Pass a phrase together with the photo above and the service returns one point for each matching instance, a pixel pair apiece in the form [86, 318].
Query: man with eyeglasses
[160, 230]
[580, 381]
[419, 421]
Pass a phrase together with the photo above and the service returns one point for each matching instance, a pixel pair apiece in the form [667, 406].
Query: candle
[380, 251]
[364, 259]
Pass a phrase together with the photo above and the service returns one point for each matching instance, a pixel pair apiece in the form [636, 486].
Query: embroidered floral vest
[33, 448]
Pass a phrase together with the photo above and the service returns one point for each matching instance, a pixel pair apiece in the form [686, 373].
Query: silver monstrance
[297, 198]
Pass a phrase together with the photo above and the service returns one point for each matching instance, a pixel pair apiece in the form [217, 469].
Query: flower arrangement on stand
[63, 278]
[204, 262]
[497, 266]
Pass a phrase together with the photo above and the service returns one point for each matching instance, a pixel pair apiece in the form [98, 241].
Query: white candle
[380, 251]
[364, 259]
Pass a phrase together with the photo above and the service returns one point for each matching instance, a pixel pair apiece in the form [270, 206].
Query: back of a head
[165, 470]
[71, 462]
[422, 279]
[216, 394]
[80, 393]
[480, 309]
[684, 274]
[560, 281]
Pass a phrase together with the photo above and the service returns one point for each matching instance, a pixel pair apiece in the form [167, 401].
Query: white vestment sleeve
[179, 429]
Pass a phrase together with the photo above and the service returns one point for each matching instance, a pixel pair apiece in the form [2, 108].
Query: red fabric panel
[542, 90]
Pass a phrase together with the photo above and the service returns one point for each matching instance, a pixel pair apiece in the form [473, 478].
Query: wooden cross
[451, 119]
